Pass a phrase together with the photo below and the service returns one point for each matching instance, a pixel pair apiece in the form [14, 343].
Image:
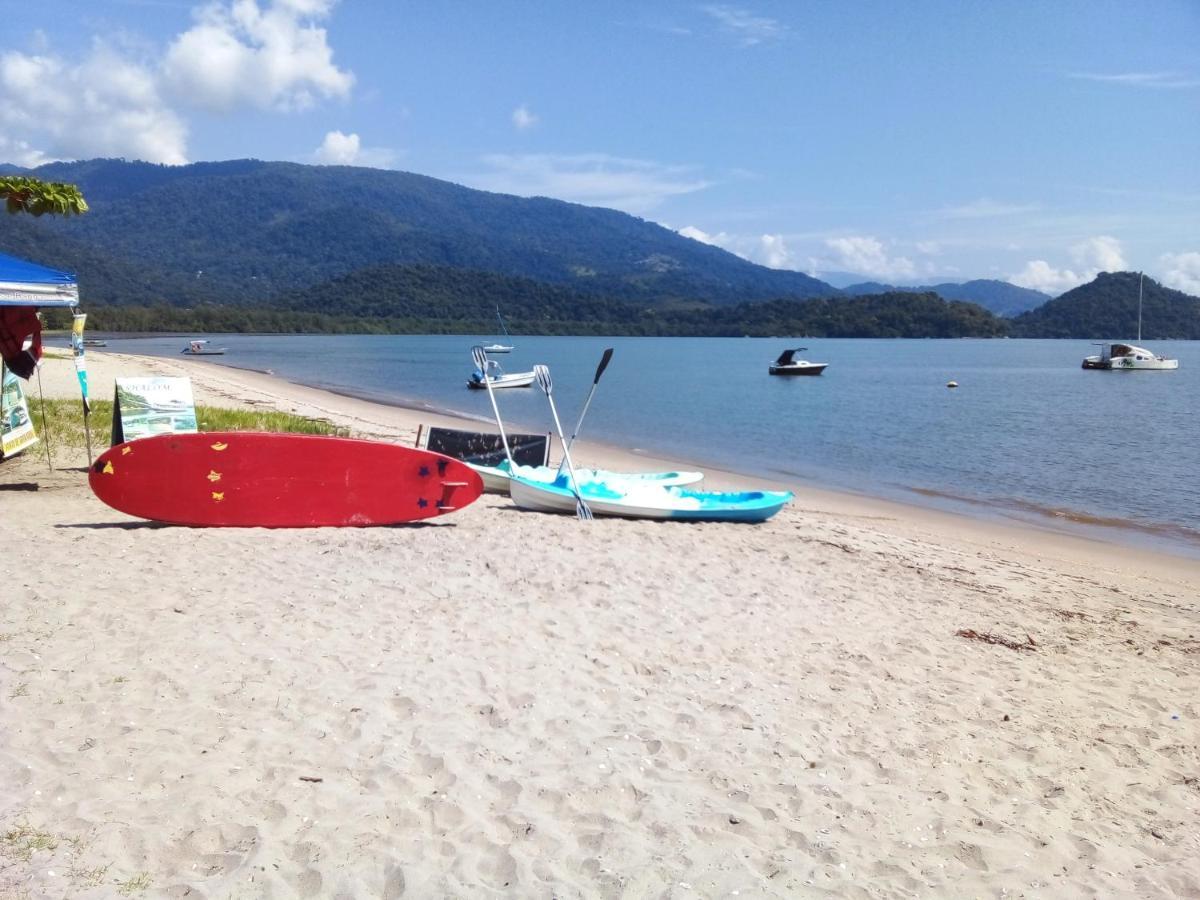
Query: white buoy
[951, 384]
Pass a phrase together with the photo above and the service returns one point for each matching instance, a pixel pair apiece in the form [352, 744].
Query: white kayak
[648, 501]
[496, 478]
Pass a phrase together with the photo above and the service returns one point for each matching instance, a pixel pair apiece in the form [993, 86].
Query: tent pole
[45, 428]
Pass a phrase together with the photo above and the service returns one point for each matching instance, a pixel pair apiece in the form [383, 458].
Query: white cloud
[127, 101]
[270, 57]
[19, 153]
[635, 186]
[1092, 256]
[1182, 271]
[1100, 254]
[773, 252]
[522, 118]
[929, 248]
[716, 240]
[865, 254]
[748, 28]
[1142, 79]
[338, 149]
[106, 105]
[1041, 276]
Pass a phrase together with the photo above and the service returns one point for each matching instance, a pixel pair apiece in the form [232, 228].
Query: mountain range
[253, 230]
[251, 245]
[1000, 297]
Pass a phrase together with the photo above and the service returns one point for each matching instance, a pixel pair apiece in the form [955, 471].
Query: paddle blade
[542, 374]
[603, 365]
[479, 357]
[583, 512]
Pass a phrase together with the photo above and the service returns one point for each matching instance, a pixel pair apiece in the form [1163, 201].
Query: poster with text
[144, 407]
[16, 428]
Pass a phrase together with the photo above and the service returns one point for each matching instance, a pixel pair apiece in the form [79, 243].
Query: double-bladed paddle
[595, 381]
[542, 374]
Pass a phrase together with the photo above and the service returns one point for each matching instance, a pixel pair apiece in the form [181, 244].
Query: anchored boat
[1127, 357]
[787, 364]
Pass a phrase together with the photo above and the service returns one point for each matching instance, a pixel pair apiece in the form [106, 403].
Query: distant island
[251, 246]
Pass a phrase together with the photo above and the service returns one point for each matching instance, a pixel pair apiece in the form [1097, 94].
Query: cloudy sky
[923, 141]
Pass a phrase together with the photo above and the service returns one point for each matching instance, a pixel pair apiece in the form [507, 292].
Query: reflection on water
[1028, 428]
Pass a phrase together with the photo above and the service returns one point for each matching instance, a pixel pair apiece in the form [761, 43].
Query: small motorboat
[92, 342]
[498, 379]
[496, 478]
[647, 501]
[201, 348]
[787, 364]
[498, 348]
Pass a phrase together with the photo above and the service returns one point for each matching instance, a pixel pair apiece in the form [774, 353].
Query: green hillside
[1107, 309]
[245, 231]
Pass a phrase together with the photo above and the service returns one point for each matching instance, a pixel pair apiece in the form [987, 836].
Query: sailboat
[1128, 357]
[500, 348]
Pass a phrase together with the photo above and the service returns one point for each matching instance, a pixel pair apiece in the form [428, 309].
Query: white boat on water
[787, 364]
[498, 347]
[648, 501]
[498, 379]
[1128, 357]
[201, 348]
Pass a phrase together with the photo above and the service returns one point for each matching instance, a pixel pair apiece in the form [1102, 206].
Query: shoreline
[500, 703]
[1162, 540]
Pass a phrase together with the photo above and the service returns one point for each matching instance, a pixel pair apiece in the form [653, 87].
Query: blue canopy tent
[24, 286]
[23, 283]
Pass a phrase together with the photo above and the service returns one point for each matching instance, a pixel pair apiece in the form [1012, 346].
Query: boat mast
[501, 321]
[1141, 275]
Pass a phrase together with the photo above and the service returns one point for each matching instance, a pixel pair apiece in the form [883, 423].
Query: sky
[914, 142]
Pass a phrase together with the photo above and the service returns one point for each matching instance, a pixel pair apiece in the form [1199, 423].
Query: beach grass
[64, 421]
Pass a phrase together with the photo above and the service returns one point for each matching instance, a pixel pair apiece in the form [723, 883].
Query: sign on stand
[144, 407]
[16, 428]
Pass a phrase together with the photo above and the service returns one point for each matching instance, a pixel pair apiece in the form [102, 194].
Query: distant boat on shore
[1127, 357]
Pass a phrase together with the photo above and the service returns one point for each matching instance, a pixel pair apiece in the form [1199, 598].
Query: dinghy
[646, 501]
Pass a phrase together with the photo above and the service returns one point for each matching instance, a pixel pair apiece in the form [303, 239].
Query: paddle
[481, 363]
[595, 381]
[542, 374]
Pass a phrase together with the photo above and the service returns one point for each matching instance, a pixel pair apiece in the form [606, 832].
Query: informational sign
[144, 407]
[16, 428]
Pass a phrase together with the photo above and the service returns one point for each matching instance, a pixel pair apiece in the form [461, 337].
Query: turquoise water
[1028, 433]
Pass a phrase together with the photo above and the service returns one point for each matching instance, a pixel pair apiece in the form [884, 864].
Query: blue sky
[924, 141]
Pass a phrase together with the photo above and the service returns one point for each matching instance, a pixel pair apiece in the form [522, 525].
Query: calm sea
[1028, 434]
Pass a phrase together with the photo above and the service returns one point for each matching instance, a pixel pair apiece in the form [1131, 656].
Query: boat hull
[497, 348]
[805, 369]
[521, 379]
[651, 502]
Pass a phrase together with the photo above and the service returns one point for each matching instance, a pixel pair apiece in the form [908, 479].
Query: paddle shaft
[480, 359]
[543, 377]
[587, 403]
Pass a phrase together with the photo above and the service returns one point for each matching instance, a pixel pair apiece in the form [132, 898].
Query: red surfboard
[255, 479]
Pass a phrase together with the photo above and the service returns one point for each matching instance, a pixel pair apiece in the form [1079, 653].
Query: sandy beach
[508, 704]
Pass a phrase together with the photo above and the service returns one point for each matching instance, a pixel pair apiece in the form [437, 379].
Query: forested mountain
[1107, 309]
[246, 231]
[1000, 297]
